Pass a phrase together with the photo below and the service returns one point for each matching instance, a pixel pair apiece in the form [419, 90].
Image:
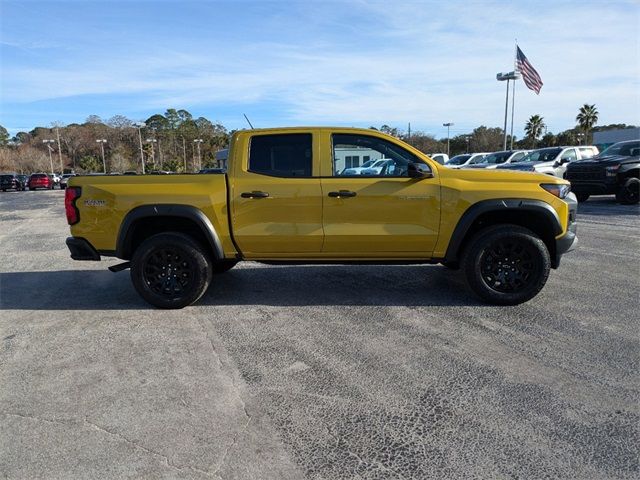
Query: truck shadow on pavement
[250, 284]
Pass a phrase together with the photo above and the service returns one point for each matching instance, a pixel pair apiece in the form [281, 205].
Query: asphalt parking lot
[323, 372]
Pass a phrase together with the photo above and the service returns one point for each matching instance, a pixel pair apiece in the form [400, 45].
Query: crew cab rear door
[379, 213]
[276, 195]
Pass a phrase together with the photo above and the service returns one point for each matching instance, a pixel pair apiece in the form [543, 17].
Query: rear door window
[281, 155]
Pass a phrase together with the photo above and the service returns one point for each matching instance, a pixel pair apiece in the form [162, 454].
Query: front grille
[586, 173]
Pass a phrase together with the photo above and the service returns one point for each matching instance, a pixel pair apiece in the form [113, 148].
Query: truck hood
[607, 160]
[499, 175]
[521, 166]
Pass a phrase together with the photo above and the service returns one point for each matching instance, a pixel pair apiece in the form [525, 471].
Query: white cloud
[419, 62]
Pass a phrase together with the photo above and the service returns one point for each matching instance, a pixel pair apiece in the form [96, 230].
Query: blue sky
[353, 63]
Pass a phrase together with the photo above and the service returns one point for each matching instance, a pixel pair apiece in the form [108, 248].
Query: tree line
[177, 142]
[173, 141]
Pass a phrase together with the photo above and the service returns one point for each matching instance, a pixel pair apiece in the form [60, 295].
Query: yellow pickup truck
[324, 195]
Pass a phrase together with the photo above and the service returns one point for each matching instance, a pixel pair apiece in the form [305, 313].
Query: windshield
[545, 155]
[496, 158]
[368, 163]
[477, 159]
[622, 148]
[458, 160]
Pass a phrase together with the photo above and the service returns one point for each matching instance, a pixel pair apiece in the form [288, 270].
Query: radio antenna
[247, 119]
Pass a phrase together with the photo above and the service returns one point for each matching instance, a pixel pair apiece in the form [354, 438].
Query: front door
[376, 211]
[276, 197]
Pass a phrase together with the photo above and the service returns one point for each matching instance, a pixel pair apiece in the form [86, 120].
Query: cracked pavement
[323, 372]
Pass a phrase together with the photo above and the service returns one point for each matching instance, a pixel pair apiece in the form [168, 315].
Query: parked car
[551, 160]
[615, 171]
[504, 157]
[41, 180]
[384, 166]
[11, 181]
[441, 158]
[465, 159]
[24, 179]
[64, 179]
[56, 179]
[358, 170]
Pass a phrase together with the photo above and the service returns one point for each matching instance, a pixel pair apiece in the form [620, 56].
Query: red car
[40, 180]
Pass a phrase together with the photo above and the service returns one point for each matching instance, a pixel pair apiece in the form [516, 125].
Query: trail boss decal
[95, 203]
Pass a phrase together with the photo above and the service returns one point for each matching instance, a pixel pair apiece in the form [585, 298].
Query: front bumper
[569, 241]
[81, 249]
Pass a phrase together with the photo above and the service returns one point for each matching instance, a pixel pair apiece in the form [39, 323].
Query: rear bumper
[81, 249]
[569, 241]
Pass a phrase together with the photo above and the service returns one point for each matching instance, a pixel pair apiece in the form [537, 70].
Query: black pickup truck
[615, 171]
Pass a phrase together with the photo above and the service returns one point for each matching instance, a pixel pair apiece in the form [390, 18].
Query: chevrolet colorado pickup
[284, 200]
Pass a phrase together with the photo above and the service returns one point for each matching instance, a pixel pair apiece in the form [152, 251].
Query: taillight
[71, 194]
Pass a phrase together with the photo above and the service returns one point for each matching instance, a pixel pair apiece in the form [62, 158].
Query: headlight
[560, 190]
[612, 171]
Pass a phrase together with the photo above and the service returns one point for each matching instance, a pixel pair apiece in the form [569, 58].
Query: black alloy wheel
[506, 264]
[629, 192]
[171, 270]
[168, 272]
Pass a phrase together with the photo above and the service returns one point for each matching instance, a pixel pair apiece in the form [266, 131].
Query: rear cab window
[281, 155]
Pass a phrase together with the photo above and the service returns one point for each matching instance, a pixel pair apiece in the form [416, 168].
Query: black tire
[506, 264]
[31, 189]
[628, 193]
[223, 266]
[156, 257]
[582, 197]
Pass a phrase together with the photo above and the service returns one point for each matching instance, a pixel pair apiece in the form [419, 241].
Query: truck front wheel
[506, 264]
[170, 270]
[628, 193]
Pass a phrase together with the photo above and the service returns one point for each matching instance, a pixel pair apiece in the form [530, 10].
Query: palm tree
[587, 117]
[534, 127]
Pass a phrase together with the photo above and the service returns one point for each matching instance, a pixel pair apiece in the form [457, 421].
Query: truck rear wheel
[506, 264]
[170, 270]
[628, 193]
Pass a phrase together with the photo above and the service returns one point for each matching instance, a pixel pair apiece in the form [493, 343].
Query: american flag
[531, 78]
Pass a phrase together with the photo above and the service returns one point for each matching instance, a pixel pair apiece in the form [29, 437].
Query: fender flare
[627, 167]
[123, 245]
[510, 205]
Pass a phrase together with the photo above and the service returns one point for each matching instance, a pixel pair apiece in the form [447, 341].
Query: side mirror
[419, 170]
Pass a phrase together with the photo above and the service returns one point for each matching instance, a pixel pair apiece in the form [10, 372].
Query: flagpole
[513, 94]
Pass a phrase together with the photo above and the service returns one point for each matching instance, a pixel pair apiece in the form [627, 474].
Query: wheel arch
[536, 215]
[147, 220]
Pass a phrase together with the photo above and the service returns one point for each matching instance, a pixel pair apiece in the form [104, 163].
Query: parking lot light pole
[447, 125]
[198, 141]
[50, 148]
[102, 141]
[501, 77]
[141, 125]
